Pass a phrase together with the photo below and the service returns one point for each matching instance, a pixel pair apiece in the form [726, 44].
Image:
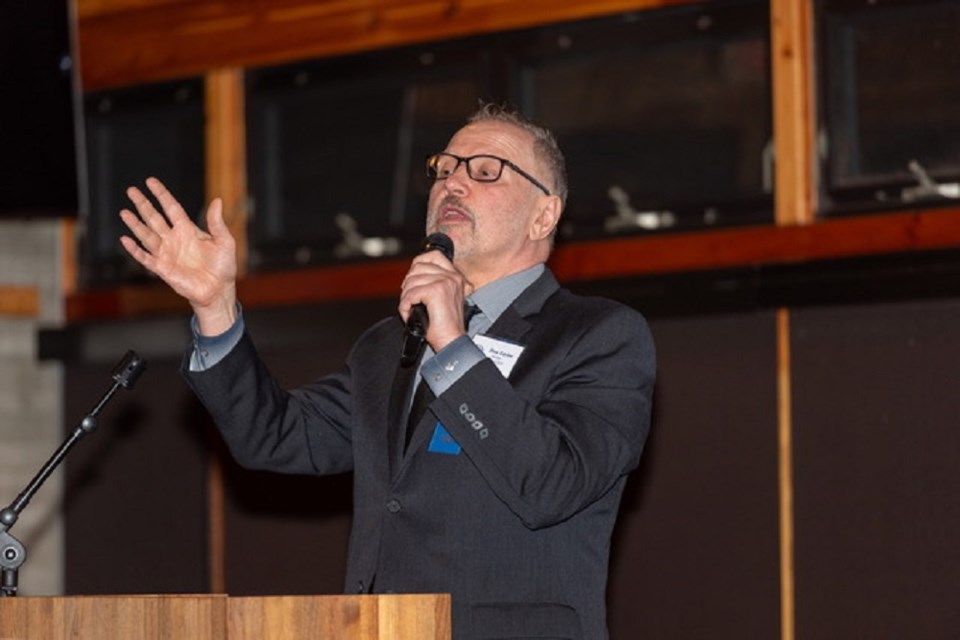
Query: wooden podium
[220, 617]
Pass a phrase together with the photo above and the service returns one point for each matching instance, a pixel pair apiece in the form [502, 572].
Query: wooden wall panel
[794, 119]
[19, 301]
[226, 153]
[124, 42]
[584, 261]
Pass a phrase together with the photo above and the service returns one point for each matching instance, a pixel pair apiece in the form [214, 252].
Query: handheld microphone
[416, 332]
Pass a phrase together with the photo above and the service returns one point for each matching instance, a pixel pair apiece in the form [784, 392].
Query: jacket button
[393, 506]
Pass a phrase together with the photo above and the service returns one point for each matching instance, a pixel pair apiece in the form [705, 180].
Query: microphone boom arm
[12, 551]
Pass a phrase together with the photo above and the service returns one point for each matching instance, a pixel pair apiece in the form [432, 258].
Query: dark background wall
[696, 549]
[135, 498]
[876, 459]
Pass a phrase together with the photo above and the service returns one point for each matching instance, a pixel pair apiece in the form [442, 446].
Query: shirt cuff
[450, 364]
[209, 350]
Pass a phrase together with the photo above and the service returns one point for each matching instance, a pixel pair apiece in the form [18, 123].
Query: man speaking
[490, 460]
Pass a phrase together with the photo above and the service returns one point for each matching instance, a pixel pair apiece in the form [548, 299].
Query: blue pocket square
[443, 442]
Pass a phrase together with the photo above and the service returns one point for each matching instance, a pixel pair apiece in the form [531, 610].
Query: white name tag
[503, 354]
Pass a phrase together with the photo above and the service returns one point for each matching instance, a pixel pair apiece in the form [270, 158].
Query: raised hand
[201, 266]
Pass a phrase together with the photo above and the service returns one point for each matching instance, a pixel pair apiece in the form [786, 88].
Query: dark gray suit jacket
[517, 524]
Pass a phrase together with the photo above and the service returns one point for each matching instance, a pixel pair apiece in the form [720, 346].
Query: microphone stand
[12, 551]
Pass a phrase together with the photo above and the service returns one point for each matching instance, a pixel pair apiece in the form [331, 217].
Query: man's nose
[459, 180]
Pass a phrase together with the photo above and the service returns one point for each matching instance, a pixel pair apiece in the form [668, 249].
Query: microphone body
[416, 332]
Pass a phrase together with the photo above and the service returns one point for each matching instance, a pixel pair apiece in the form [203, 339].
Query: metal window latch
[354, 244]
[627, 217]
[928, 189]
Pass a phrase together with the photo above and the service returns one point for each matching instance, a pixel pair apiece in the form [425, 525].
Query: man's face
[492, 224]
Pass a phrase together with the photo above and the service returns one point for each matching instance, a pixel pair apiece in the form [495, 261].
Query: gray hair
[545, 145]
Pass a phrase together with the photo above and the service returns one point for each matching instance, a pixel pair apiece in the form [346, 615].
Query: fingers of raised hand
[147, 237]
[148, 214]
[171, 207]
[216, 225]
[135, 250]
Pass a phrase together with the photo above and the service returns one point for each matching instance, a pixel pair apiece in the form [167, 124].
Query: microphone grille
[439, 242]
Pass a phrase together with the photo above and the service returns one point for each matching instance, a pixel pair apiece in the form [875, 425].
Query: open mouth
[452, 211]
[452, 215]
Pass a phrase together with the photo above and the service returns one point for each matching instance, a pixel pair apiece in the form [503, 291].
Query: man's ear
[547, 218]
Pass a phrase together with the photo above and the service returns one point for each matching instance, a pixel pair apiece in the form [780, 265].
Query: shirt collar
[494, 298]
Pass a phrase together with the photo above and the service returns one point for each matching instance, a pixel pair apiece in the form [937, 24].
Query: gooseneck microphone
[415, 335]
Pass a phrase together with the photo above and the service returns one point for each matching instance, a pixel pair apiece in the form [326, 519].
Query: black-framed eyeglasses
[482, 168]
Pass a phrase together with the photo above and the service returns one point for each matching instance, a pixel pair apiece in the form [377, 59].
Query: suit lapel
[422, 431]
[403, 382]
[512, 324]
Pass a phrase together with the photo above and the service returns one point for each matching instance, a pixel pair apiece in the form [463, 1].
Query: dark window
[133, 134]
[890, 103]
[337, 148]
[664, 116]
